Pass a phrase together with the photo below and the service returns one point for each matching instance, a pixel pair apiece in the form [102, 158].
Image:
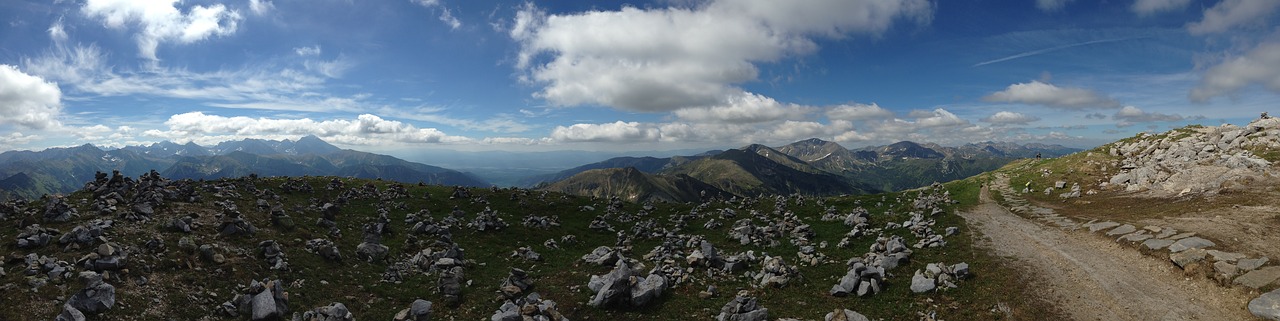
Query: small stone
[1157, 244]
[1259, 278]
[1123, 229]
[1190, 243]
[1251, 264]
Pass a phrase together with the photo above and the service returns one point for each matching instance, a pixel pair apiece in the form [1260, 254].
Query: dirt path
[1093, 279]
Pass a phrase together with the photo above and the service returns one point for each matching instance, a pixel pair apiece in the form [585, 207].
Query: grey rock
[1251, 264]
[1190, 243]
[742, 308]
[1225, 270]
[1139, 236]
[1123, 229]
[844, 315]
[420, 310]
[1225, 256]
[96, 297]
[1184, 258]
[647, 290]
[371, 252]
[69, 314]
[1102, 226]
[1182, 236]
[921, 283]
[264, 307]
[1259, 278]
[1157, 244]
[1266, 306]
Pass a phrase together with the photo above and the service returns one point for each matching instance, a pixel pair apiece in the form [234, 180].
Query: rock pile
[936, 275]
[260, 301]
[96, 297]
[371, 248]
[1195, 160]
[35, 236]
[487, 220]
[623, 286]
[743, 308]
[274, 255]
[324, 248]
[528, 308]
[333, 312]
[860, 279]
[774, 272]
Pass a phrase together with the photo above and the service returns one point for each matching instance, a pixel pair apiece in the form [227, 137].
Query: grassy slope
[191, 293]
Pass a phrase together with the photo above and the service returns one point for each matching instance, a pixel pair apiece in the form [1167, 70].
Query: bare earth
[1090, 278]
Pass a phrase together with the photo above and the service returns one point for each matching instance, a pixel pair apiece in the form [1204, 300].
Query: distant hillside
[633, 185]
[818, 167]
[30, 174]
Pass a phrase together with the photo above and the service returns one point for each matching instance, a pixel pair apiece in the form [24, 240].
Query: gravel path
[1090, 278]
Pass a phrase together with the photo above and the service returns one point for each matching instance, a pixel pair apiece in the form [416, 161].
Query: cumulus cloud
[1049, 95]
[1148, 7]
[365, 129]
[746, 108]
[1230, 14]
[1260, 65]
[937, 118]
[1051, 5]
[1131, 114]
[16, 139]
[261, 7]
[617, 132]
[1009, 118]
[28, 101]
[445, 17]
[161, 21]
[665, 59]
[858, 112]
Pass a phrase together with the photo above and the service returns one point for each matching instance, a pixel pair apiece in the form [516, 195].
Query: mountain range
[810, 167]
[30, 174]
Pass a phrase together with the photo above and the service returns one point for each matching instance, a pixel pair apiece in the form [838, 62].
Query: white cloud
[937, 118]
[28, 101]
[858, 112]
[446, 16]
[1148, 7]
[261, 7]
[329, 68]
[57, 31]
[1009, 118]
[365, 129]
[1039, 93]
[746, 108]
[160, 21]
[1051, 5]
[307, 51]
[1131, 114]
[617, 132]
[1230, 14]
[1260, 65]
[670, 58]
[16, 139]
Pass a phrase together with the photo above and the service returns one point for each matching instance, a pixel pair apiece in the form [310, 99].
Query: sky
[399, 75]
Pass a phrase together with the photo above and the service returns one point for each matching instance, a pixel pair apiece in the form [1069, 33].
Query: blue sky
[665, 75]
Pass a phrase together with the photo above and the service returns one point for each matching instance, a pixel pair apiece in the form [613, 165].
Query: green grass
[185, 291]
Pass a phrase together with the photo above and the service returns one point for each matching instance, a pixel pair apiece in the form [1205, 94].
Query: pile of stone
[542, 222]
[743, 308]
[861, 279]
[487, 220]
[371, 248]
[184, 224]
[845, 315]
[450, 282]
[1199, 160]
[57, 210]
[938, 276]
[747, 233]
[296, 185]
[528, 308]
[34, 236]
[96, 297]
[43, 269]
[324, 248]
[809, 256]
[265, 300]
[279, 218]
[419, 310]
[333, 312]
[624, 286]
[85, 234]
[516, 284]
[108, 257]
[600, 224]
[274, 255]
[602, 256]
[232, 223]
[526, 253]
[774, 272]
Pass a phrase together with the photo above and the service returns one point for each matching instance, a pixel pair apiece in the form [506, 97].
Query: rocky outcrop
[1195, 160]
